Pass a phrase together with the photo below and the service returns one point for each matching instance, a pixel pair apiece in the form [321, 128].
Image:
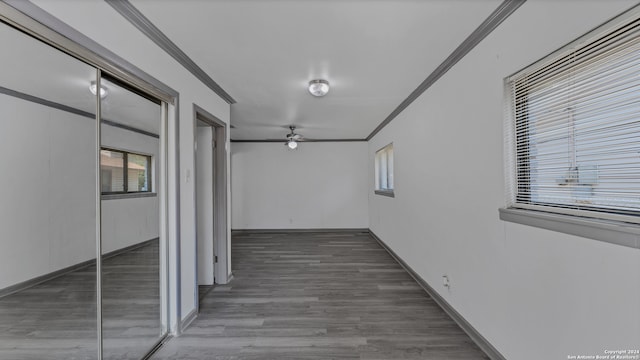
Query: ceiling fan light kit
[293, 138]
[318, 87]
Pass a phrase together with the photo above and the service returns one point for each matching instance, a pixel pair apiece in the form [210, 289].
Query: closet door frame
[27, 17]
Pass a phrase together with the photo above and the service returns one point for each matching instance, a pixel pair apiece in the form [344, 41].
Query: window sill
[128, 196]
[614, 232]
[388, 193]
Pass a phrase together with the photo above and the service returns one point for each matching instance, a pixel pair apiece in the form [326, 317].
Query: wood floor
[56, 320]
[318, 296]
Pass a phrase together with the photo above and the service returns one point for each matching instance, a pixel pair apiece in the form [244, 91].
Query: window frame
[125, 176]
[388, 153]
[598, 224]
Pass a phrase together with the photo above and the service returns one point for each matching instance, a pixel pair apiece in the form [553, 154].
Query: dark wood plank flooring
[318, 296]
[56, 320]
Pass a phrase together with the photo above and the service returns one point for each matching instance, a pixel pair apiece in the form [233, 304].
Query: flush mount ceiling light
[93, 88]
[318, 87]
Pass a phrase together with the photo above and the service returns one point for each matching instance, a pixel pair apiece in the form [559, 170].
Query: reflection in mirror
[48, 201]
[131, 321]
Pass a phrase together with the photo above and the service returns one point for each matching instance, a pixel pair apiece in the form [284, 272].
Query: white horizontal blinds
[384, 168]
[377, 170]
[389, 153]
[112, 171]
[137, 173]
[382, 156]
[577, 127]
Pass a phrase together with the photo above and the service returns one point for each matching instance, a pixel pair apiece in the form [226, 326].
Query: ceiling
[263, 53]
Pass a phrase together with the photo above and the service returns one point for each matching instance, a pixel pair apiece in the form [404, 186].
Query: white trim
[194, 224]
[509, 147]
[98, 219]
[165, 317]
[171, 151]
[135, 195]
[188, 320]
[388, 193]
[222, 272]
[613, 232]
[590, 214]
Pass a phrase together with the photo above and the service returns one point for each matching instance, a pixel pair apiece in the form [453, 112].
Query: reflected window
[124, 172]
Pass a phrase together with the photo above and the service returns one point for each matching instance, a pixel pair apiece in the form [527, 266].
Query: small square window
[384, 170]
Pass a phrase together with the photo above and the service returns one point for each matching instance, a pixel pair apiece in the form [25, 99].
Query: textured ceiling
[263, 53]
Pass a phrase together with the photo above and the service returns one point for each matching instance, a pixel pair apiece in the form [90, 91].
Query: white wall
[92, 17]
[533, 293]
[47, 189]
[319, 185]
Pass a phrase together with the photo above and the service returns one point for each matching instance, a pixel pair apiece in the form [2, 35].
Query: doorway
[211, 202]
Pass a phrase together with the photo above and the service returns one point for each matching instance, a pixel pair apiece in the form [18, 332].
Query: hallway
[318, 296]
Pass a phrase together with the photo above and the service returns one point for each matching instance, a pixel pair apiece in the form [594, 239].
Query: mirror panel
[131, 321]
[47, 212]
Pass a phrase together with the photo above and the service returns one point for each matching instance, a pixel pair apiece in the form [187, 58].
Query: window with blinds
[384, 170]
[575, 128]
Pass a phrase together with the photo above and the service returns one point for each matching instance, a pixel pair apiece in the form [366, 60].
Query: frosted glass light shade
[318, 87]
[93, 88]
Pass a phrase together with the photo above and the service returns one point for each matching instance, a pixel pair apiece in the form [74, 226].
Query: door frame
[205, 184]
[220, 196]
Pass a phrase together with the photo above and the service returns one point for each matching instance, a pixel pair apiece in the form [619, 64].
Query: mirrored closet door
[130, 222]
[47, 202]
[80, 240]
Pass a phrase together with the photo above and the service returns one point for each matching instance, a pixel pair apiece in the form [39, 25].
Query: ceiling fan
[293, 138]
